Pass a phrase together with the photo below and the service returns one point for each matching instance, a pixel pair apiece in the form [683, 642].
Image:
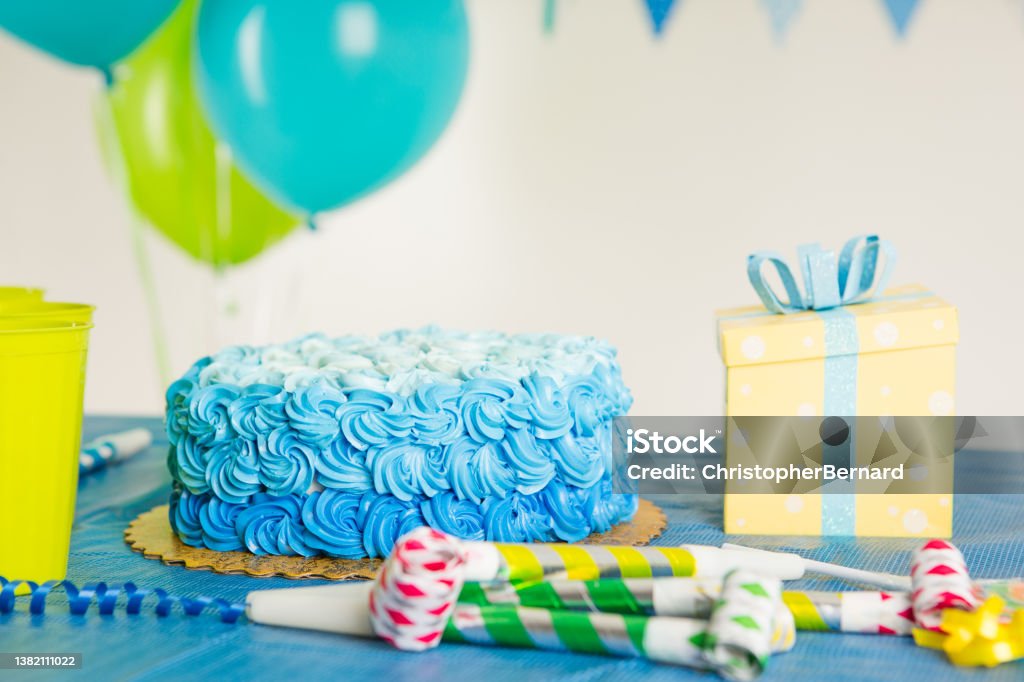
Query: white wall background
[595, 181]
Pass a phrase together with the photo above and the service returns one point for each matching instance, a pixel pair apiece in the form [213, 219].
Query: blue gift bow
[827, 283]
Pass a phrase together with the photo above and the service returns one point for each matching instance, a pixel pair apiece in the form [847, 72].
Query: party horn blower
[739, 639]
[940, 581]
[873, 612]
[520, 563]
[416, 588]
[867, 612]
[112, 449]
[675, 641]
[341, 608]
[410, 602]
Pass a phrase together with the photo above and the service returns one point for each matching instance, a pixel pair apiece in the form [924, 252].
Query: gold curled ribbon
[979, 638]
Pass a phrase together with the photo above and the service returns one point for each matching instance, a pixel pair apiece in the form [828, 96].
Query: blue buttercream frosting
[518, 518]
[478, 471]
[339, 446]
[184, 515]
[178, 397]
[384, 519]
[373, 418]
[600, 506]
[208, 420]
[273, 525]
[313, 411]
[343, 467]
[259, 409]
[407, 469]
[190, 461]
[569, 521]
[286, 462]
[332, 522]
[533, 468]
[233, 470]
[548, 409]
[491, 407]
[435, 413]
[461, 518]
[218, 519]
[578, 461]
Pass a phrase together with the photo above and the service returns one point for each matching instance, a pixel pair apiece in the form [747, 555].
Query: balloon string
[297, 271]
[222, 160]
[213, 246]
[298, 266]
[156, 330]
[262, 321]
[263, 315]
[550, 11]
[107, 599]
[118, 167]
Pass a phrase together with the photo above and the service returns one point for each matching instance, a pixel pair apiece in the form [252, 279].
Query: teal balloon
[322, 101]
[86, 32]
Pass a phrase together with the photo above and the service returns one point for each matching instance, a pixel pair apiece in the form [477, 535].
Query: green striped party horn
[863, 611]
[675, 641]
[739, 639]
[675, 597]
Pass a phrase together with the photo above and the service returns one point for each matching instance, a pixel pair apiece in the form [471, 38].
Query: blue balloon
[322, 101]
[86, 32]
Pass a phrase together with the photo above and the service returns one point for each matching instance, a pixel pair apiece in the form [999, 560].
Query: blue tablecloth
[144, 647]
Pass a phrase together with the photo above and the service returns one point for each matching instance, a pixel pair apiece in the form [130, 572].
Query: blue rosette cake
[337, 447]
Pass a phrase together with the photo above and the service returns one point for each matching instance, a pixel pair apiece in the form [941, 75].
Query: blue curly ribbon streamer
[96, 458]
[828, 282]
[106, 597]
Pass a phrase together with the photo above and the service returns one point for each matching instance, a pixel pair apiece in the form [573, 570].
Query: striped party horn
[940, 581]
[410, 602]
[415, 590]
[864, 612]
[335, 608]
[111, 449]
[743, 620]
[675, 641]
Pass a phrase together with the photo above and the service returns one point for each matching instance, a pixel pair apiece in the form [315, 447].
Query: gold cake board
[150, 534]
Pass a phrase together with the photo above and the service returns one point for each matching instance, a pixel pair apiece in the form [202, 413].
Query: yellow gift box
[893, 355]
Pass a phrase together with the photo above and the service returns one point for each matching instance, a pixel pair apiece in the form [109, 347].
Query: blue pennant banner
[659, 11]
[901, 12]
[782, 13]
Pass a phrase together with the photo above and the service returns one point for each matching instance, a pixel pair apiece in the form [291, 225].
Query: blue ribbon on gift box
[829, 285]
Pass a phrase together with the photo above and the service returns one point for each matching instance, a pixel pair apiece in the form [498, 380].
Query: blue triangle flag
[901, 12]
[782, 13]
[659, 11]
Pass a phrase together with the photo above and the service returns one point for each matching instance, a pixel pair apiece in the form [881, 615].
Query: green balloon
[181, 179]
